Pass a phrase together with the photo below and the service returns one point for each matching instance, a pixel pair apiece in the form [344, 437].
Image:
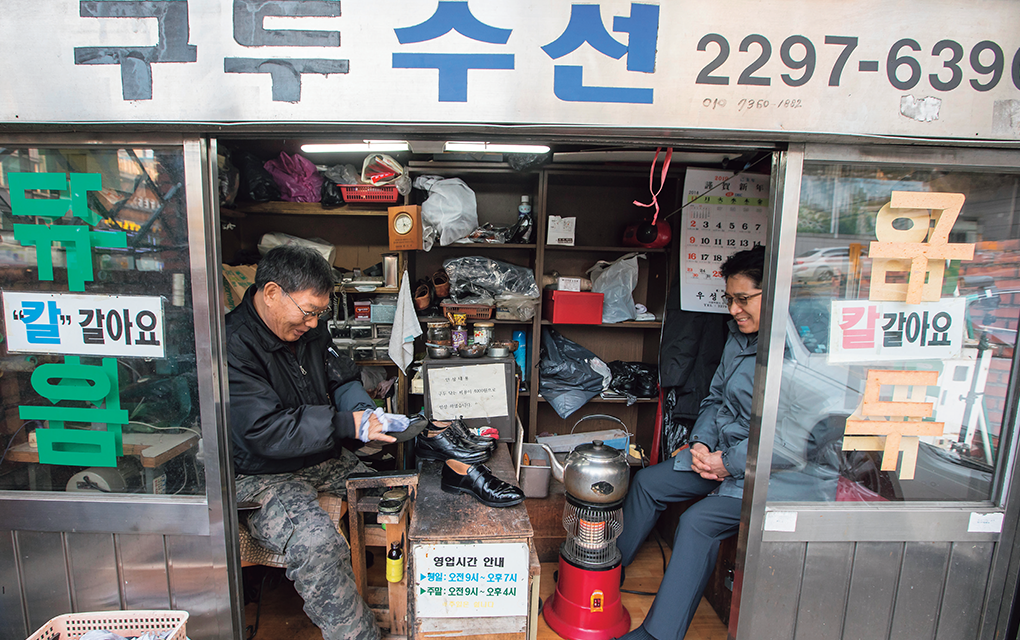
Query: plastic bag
[474, 276]
[380, 169]
[616, 282]
[256, 183]
[332, 196]
[450, 212]
[297, 177]
[273, 240]
[342, 173]
[229, 177]
[566, 377]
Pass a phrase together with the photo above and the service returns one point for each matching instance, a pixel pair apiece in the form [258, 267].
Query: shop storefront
[879, 495]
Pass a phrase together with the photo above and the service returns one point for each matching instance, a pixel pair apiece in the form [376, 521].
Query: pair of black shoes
[454, 442]
[479, 482]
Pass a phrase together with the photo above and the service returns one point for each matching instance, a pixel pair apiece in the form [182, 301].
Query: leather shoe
[444, 445]
[464, 434]
[479, 482]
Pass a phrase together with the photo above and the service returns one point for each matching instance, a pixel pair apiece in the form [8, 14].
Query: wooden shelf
[630, 324]
[594, 249]
[313, 209]
[598, 400]
[340, 288]
[375, 363]
[485, 245]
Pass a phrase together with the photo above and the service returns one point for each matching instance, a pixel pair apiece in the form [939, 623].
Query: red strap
[662, 181]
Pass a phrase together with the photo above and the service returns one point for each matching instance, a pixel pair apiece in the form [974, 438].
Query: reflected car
[822, 264]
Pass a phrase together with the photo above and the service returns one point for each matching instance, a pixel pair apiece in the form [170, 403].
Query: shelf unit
[602, 201]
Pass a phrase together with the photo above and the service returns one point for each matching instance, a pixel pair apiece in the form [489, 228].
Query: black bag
[634, 379]
[256, 183]
[331, 195]
[566, 378]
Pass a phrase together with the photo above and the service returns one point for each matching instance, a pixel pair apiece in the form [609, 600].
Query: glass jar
[483, 332]
[459, 336]
[439, 333]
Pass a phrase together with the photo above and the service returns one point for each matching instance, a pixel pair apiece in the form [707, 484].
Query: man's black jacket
[281, 414]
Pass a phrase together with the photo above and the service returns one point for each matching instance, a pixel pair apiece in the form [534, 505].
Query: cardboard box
[572, 307]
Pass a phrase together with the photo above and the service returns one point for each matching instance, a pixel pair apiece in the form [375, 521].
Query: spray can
[395, 563]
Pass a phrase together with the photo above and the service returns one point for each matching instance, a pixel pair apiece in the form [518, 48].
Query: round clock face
[402, 223]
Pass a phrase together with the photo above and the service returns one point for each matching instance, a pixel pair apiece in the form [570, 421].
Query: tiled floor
[282, 616]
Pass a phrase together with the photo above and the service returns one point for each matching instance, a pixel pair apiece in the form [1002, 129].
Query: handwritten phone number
[985, 59]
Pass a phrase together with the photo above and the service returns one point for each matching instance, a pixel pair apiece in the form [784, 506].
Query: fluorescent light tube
[365, 146]
[492, 147]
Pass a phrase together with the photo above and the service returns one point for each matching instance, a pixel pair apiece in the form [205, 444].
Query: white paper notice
[785, 521]
[723, 214]
[985, 523]
[471, 580]
[471, 391]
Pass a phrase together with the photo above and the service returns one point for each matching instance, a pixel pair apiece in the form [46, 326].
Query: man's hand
[708, 464]
[375, 427]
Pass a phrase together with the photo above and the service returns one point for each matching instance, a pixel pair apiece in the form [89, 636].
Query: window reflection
[884, 399]
[97, 367]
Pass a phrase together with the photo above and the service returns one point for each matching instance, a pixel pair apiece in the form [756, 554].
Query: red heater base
[586, 604]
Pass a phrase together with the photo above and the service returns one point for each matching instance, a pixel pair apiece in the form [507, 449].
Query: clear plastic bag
[478, 276]
[616, 281]
[451, 210]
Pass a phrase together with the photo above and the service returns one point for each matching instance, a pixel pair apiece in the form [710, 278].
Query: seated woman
[713, 466]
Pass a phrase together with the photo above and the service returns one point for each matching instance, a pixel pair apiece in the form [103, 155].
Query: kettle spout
[557, 468]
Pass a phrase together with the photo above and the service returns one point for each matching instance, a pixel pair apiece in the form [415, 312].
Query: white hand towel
[405, 327]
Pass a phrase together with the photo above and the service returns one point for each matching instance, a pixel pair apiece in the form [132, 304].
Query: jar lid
[484, 324]
[437, 323]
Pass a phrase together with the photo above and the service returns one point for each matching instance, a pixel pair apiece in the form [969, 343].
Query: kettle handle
[602, 416]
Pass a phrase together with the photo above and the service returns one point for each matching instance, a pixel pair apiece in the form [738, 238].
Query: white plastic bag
[616, 282]
[451, 210]
[273, 240]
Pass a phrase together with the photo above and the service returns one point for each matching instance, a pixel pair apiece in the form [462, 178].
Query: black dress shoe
[446, 446]
[485, 487]
[464, 434]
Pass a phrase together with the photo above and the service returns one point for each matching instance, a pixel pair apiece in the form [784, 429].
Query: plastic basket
[472, 311]
[368, 193]
[72, 626]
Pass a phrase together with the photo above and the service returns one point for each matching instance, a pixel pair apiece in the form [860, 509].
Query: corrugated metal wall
[43, 575]
[896, 590]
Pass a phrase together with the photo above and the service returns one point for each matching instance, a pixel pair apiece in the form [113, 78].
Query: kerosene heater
[586, 604]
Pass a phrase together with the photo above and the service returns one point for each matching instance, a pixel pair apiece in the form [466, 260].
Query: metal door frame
[860, 522]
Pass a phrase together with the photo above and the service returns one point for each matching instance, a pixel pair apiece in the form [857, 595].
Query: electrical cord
[152, 426]
[15, 435]
[747, 167]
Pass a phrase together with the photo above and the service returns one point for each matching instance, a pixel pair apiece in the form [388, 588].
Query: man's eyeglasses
[324, 314]
[740, 298]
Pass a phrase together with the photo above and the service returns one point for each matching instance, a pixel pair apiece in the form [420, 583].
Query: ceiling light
[364, 146]
[490, 147]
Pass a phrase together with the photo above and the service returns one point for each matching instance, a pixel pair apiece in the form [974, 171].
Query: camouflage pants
[292, 523]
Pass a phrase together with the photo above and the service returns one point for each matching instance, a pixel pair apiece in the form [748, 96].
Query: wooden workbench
[459, 519]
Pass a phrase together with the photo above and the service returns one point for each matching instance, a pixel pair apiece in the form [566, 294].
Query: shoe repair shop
[871, 147]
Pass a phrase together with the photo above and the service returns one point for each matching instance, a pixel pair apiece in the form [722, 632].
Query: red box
[572, 307]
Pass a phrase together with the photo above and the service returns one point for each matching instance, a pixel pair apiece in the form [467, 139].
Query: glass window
[900, 337]
[97, 364]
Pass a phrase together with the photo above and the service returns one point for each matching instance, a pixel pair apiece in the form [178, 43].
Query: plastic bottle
[395, 563]
[522, 230]
[520, 355]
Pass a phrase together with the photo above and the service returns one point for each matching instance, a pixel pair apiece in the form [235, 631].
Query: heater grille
[591, 535]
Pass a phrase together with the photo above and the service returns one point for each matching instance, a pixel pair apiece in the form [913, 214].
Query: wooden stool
[388, 604]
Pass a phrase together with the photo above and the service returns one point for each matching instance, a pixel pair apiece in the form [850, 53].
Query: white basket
[125, 623]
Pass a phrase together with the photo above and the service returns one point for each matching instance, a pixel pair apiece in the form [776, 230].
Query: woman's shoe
[478, 481]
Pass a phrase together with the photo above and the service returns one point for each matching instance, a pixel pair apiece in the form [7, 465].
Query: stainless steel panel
[782, 233]
[93, 566]
[964, 593]
[108, 513]
[864, 521]
[44, 579]
[204, 244]
[193, 584]
[778, 590]
[869, 602]
[957, 157]
[919, 593]
[823, 590]
[143, 571]
[12, 610]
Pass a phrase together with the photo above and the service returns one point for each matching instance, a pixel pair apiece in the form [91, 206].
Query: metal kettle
[594, 472]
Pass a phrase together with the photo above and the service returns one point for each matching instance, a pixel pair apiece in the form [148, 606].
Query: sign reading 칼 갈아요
[884, 331]
[74, 324]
